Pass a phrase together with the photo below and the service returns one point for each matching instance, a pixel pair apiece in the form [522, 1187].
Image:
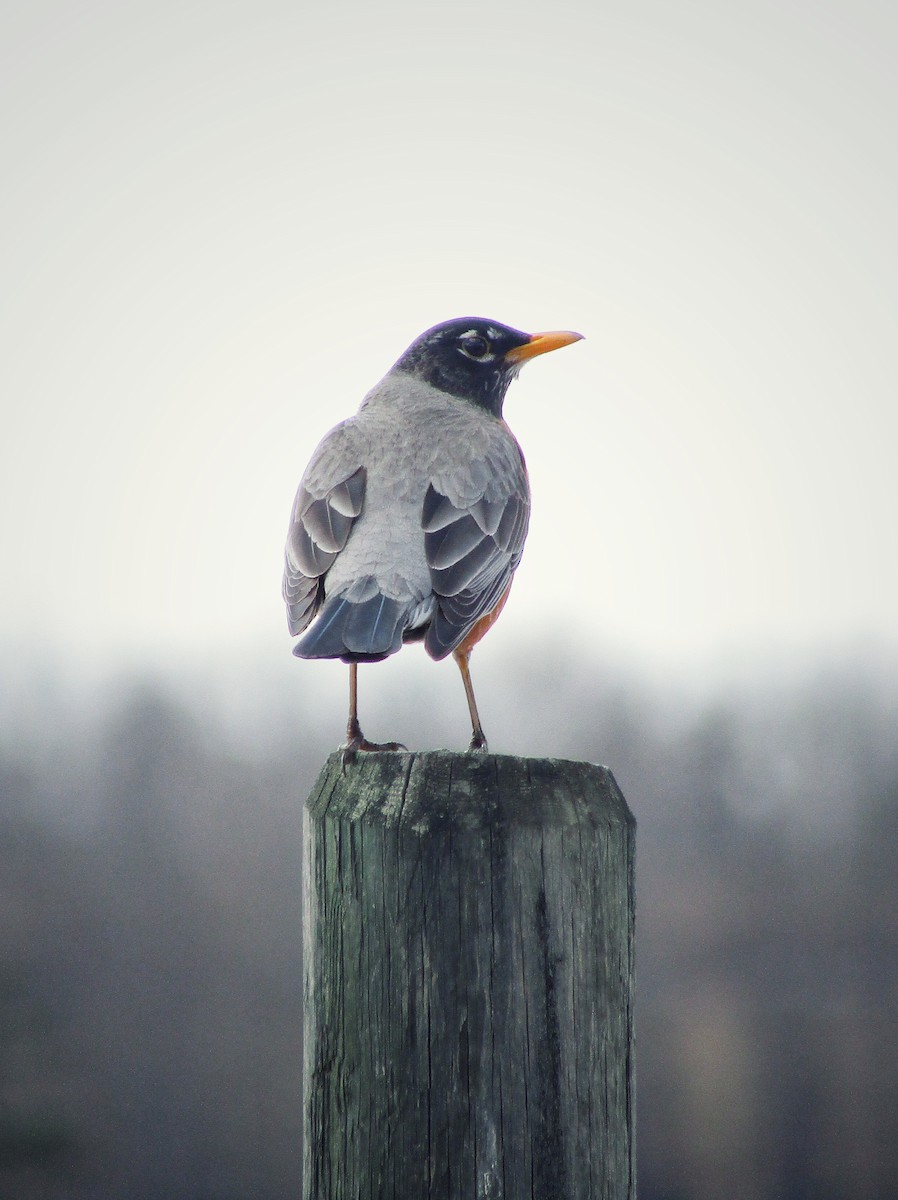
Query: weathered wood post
[468, 934]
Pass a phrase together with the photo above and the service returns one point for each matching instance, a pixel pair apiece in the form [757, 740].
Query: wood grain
[468, 926]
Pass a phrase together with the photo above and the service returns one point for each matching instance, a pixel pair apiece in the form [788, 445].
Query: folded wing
[473, 549]
[330, 499]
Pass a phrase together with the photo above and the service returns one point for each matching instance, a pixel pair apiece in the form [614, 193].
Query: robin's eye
[475, 346]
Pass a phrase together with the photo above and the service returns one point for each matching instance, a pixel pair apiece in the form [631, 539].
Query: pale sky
[221, 224]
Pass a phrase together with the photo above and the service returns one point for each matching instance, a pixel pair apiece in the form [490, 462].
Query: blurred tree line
[150, 959]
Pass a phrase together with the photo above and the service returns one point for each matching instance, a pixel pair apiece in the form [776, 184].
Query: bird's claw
[478, 744]
[360, 742]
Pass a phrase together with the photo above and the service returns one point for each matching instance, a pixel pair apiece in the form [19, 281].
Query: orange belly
[479, 628]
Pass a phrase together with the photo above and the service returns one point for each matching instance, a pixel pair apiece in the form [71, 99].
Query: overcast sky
[222, 222]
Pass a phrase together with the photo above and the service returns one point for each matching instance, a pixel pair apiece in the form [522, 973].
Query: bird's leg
[354, 736]
[478, 737]
[355, 739]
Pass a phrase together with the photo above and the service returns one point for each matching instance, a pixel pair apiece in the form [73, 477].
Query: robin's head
[475, 359]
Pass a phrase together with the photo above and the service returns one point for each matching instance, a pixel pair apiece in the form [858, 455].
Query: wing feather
[437, 512]
[330, 499]
[473, 540]
[467, 570]
[449, 545]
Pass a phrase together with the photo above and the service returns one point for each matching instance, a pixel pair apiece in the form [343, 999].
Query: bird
[410, 519]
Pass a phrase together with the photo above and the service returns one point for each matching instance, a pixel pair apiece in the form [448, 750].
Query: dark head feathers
[467, 358]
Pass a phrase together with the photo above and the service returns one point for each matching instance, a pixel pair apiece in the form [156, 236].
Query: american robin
[410, 518]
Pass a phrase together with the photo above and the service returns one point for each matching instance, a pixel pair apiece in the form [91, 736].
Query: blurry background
[221, 223]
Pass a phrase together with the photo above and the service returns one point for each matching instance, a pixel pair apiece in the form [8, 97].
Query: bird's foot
[478, 743]
[357, 741]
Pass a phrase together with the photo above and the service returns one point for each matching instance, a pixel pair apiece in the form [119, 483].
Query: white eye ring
[473, 342]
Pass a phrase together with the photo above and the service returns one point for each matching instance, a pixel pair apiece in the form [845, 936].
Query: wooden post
[468, 925]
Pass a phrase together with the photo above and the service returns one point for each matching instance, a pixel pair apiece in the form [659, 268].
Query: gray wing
[473, 547]
[330, 498]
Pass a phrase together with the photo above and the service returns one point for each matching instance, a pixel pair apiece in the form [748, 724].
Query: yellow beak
[542, 343]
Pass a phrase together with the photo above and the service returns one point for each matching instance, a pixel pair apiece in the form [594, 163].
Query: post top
[425, 791]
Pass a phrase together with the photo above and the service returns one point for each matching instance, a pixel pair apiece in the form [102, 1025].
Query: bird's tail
[357, 626]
